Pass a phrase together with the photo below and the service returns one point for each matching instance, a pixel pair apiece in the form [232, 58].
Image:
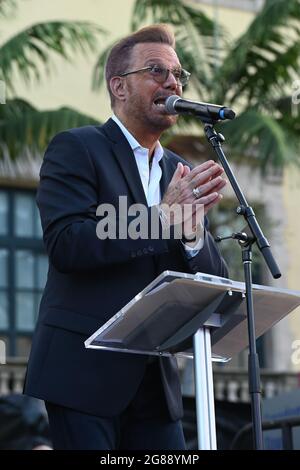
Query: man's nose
[171, 82]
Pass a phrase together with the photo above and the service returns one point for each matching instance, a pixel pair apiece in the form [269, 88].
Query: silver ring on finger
[197, 192]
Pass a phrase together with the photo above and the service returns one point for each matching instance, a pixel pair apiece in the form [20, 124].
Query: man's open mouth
[160, 102]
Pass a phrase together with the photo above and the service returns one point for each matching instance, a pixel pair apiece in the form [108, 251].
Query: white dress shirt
[151, 177]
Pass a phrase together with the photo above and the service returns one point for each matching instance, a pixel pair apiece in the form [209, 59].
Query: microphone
[206, 111]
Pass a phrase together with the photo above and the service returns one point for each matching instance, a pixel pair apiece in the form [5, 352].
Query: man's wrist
[194, 236]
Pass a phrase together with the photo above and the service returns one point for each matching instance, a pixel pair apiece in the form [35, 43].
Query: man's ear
[118, 88]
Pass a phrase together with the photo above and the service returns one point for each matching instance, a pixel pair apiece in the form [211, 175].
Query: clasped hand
[197, 189]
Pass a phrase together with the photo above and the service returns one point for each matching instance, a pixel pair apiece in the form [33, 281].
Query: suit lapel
[168, 168]
[125, 158]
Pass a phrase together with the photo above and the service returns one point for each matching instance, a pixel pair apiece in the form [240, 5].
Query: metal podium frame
[201, 316]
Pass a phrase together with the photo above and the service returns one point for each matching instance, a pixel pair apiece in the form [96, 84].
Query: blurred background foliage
[22, 126]
[254, 74]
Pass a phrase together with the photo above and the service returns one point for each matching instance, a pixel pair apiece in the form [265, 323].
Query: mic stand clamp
[242, 238]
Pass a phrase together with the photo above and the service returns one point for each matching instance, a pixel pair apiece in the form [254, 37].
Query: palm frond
[32, 47]
[152, 11]
[263, 138]
[22, 126]
[98, 76]
[264, 59]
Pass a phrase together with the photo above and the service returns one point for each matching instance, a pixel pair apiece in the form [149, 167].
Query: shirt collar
[134, 144]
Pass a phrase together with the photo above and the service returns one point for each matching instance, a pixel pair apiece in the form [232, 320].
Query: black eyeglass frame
[181, 80]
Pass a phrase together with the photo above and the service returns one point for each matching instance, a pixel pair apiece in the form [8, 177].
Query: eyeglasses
[160, 74]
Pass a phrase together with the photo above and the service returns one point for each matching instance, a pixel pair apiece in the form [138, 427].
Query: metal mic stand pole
[246, 242]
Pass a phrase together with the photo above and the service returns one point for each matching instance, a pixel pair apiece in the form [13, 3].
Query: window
[23, 269]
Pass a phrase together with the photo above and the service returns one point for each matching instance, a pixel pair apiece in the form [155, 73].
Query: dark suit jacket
[89, 279]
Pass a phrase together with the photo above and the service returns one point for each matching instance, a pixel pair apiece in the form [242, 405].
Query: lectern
[193, 315]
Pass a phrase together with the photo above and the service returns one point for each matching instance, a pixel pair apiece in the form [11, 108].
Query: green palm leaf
[32, 47]
[98, 76]
[264, 59]
[262, 138]
[23, 126]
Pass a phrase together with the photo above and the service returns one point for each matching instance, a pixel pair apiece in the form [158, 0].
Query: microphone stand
[253, 234]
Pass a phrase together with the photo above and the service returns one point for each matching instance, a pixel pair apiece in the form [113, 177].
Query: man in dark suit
[99, 399]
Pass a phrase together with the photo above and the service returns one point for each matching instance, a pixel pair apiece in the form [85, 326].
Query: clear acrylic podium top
[162, 319]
